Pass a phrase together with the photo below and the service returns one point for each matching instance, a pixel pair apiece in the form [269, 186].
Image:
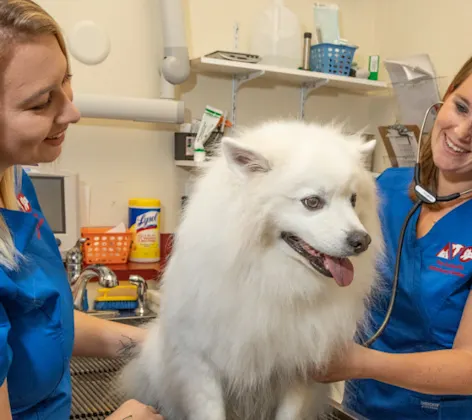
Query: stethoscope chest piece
[424, 195]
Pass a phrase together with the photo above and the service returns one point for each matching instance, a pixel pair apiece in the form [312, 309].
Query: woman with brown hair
[420, 367]
[39, 329]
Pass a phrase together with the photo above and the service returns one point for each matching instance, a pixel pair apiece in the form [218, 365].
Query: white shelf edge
[189, 164]
[290, 76]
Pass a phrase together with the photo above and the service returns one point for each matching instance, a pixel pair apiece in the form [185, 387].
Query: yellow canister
[144, 219]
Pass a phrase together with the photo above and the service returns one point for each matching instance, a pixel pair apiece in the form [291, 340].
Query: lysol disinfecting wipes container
[144, 224]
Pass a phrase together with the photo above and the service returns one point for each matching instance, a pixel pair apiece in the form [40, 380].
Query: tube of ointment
[210, 119]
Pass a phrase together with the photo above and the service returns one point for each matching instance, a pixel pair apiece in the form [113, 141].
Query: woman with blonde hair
[420, 367]
[39, 329]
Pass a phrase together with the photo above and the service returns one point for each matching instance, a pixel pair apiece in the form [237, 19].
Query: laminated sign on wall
[414, 82]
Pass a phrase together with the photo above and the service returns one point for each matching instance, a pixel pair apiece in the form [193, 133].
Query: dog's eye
[313, 202]
[353, 199]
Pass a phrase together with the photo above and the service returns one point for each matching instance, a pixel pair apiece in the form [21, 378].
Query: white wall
[119, 160]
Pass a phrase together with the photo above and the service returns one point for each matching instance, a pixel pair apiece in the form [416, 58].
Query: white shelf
[285, 75]
[190, 164]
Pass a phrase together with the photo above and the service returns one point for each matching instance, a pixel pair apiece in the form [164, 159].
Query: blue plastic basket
[332, 58]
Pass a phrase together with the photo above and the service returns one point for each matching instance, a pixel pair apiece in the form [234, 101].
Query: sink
[124, 316]
[96, 395]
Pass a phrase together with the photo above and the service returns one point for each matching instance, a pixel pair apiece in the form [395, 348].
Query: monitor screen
[51, 197]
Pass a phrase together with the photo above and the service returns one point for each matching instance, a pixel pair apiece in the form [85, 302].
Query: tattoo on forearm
[127, 348]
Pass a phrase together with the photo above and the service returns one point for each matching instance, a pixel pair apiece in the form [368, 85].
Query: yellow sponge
[118, 293]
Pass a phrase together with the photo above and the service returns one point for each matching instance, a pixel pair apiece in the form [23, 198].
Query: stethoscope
[424, 196]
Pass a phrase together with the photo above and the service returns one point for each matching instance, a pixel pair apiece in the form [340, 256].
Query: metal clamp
[305, 90]
[238, 81]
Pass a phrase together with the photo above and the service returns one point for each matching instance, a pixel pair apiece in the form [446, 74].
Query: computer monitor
[58, 196]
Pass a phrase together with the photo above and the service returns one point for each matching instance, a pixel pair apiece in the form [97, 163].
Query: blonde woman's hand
[134, 410]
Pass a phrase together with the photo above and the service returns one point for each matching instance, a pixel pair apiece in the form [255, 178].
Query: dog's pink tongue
[341, 269]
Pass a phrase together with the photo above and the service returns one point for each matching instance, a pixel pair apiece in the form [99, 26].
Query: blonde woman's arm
[95, 337]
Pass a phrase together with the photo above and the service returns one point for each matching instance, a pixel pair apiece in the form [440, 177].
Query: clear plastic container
[277, 36]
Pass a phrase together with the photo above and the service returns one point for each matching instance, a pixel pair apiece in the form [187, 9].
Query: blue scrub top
[36, 318]
[434, 283]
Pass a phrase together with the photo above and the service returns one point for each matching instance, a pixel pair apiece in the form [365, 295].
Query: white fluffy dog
[270, 270]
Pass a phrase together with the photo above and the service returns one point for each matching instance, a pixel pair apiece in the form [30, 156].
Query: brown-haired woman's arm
[5, 410]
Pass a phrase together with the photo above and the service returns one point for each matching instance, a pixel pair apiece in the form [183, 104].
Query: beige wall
[442, 29]
[405, 27]
[119, 160]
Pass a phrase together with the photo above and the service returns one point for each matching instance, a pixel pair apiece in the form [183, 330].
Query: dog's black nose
[359, 241]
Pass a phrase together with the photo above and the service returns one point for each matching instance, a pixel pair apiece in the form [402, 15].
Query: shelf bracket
[305, 90]
[238, 81]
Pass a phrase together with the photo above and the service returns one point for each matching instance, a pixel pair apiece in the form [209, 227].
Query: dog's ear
[242, 159]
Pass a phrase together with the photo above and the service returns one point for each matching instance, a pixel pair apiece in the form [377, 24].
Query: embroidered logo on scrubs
[452, 251]
[24, 203]
[451, 259]
[38, 225]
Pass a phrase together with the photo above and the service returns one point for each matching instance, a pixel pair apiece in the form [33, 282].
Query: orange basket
[105, 248]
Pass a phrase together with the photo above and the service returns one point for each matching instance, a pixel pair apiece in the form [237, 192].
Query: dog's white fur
[243, 317]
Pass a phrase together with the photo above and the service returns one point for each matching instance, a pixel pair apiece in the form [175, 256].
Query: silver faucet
[142, 286]
[74, 259]
[106, 278]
